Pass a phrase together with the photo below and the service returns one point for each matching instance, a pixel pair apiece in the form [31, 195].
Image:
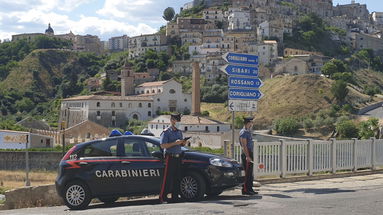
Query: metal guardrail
[308, 157]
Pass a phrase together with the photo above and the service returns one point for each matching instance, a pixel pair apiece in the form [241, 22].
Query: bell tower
[127, 80]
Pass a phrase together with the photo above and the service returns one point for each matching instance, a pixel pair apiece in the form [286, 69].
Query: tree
[169, 14]
[339, 90]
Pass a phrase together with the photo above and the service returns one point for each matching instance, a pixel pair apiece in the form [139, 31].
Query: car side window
[152, 147]
[138, 148]
[101, 149]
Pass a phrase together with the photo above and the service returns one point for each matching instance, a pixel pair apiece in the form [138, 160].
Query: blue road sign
[241, 70]
[250, 94]
[241, 58]
[241, 82]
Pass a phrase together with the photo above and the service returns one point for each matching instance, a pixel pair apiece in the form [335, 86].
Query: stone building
[271, 30]
[166, 96]
[213, 15]
[301, 64]
[239, 19]
[182, 67]
[377, 18]
[138, 45]
[365, 41]
[291, 52]
[108, 111]
[353, 10]
[118, 43]
[188, 124]
[267, 51]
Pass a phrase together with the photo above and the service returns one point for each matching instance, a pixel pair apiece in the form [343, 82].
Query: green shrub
[287, 126]
[347, 129]
[369, 128]
[308, 124]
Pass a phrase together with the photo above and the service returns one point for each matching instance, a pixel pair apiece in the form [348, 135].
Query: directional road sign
[243, 105]
[249, 94]
[237, 58]
[240, 70]
[241, 82]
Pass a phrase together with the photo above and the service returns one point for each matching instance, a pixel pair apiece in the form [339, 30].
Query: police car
[132, 165]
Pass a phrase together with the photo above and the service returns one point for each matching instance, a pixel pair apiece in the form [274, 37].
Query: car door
[100, 166]
[144, 171]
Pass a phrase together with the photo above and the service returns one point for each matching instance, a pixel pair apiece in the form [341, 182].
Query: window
[98, 104]
[130, 105]
[158, 99]
[185, 100]
[113, 113]
[149, 113]
[120, 104]
[105, 148]
[159, 90]
[135, 116]
[98, 113]
[153, 91]
[206, 128]
[113, 105]
[217, 128]
[149, 105]
[172, 91]
[186, 128]
[151, 126]
[140, 105]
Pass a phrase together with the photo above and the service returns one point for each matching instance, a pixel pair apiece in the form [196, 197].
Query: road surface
[352, 195]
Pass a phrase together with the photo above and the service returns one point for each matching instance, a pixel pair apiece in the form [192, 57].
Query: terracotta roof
[112, 98]
[189, 120]
[153, 84]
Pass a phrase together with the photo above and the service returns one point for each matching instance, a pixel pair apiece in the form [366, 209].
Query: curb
[317, 177]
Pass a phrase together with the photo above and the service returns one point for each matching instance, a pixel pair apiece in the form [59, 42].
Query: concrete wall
[370, 108]
[37, 160]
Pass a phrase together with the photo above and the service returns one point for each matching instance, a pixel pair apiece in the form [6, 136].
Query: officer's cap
[176, 116]
[248, 119]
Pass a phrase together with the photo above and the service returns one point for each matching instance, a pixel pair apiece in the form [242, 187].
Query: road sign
[250, 94]
[242, 105]
[240, 70]
[241, 82]
[241, 58]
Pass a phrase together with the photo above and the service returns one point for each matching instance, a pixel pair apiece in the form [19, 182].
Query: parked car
[132, 165]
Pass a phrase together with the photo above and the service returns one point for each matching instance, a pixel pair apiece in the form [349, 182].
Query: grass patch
[2, 190]
[15, 179]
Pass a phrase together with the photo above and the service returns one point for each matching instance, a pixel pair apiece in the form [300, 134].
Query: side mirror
[158, 154]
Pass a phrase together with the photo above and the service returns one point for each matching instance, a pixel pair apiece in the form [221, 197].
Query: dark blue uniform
[248, 166]
[173, 159]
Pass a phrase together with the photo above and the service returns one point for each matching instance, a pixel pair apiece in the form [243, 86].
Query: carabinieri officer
[171, 141]
[247, 143]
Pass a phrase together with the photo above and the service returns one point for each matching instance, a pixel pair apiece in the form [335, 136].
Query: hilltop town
[91, 85]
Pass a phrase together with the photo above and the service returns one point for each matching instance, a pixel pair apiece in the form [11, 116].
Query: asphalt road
[378, 113]
[353, 195]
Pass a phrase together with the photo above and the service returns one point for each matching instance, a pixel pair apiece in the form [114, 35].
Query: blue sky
[105, 18]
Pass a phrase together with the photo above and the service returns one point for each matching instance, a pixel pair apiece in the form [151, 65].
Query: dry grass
[14, 179]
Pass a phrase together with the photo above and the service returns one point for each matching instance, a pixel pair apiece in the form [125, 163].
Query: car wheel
[214, 193]
[108, 200]
[77, 195]
[192, 187]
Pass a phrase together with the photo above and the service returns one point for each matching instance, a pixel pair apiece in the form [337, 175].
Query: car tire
[108, 200]
[192, 187]
[214, 193]
[77, 195]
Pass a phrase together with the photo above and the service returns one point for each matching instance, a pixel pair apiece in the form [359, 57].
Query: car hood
[195, 155]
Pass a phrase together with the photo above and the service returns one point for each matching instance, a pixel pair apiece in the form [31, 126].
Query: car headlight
[220, 162]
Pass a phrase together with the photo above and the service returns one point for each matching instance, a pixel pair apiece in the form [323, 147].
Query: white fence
[311, 156]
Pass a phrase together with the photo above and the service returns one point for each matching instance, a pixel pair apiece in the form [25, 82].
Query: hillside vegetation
[290, 96]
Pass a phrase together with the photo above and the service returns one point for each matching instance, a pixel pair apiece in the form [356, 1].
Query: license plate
[243, 173]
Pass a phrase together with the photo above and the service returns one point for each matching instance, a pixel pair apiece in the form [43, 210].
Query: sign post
[27, 181]
[243, 83]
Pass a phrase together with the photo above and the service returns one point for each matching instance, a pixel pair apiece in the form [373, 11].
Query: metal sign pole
[27, 182]
[232, 133]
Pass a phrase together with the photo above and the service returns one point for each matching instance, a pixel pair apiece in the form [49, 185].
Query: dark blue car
[133, 166]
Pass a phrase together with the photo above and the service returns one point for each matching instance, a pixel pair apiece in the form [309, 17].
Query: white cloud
[128, 9]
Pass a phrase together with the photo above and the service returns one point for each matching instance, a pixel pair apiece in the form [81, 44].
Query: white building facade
[239, 19]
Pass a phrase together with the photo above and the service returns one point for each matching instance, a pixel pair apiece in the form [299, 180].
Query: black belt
[173, 155]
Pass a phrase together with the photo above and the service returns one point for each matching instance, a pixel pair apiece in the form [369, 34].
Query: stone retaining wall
[37, 160]
[39, 196]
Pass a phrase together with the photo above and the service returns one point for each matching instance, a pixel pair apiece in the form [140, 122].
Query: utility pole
[64, 125]
[27, 181]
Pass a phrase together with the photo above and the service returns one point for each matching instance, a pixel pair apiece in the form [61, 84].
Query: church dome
[49, 29]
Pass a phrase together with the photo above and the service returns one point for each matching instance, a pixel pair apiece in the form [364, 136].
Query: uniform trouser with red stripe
[249, 178]
[172, 177]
